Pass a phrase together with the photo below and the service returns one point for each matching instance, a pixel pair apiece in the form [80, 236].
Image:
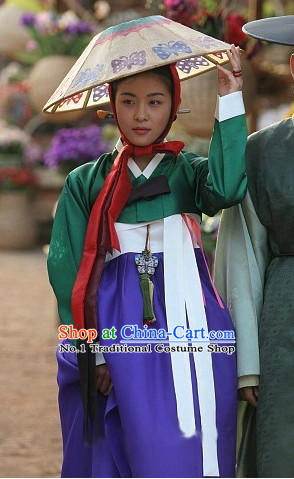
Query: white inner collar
[147, 172]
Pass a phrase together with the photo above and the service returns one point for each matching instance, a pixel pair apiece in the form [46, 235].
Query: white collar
[147, 172]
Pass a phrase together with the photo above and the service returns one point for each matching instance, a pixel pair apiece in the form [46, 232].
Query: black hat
[275, 29]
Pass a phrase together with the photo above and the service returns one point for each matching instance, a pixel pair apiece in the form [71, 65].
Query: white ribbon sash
[176, 316]
[203, 362]
[185, 307]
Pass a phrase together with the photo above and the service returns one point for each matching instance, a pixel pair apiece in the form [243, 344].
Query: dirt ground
[30, 439]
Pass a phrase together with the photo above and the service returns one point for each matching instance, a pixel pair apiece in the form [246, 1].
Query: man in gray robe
[255, 274]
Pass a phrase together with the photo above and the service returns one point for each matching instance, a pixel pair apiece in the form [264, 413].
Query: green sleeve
[69, 229]
[66, 246]
[221, 180]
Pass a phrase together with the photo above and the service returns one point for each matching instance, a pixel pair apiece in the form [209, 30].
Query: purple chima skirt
[136, 432]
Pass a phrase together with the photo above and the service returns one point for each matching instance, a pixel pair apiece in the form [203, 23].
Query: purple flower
[28, 20]
[79, 27]
[78, 145]
[180, 10]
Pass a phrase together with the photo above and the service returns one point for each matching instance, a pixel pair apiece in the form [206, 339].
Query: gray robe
[255, 274]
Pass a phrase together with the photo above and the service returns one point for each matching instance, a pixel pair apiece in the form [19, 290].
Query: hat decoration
[130, 48]
[274, 29]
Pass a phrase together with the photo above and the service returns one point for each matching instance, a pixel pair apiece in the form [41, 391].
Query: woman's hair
[163, 72]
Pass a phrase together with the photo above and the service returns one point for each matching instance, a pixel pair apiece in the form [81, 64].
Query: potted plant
[13, 142]
[71, 147]
[17, 226]
[13, 36]
[56, 42]
[17, 182]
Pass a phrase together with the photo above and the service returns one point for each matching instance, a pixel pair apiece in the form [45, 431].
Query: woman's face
[143, 106]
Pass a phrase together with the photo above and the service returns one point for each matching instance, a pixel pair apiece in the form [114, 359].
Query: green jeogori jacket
[198, 185]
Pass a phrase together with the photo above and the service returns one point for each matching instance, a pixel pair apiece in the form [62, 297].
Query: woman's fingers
[230, 81]
[105, 386]
[103, 379]
[99, 380]
[225, 73]
[234, 57]
[108, 391]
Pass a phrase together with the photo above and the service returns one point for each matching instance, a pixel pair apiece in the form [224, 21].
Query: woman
[158, 415]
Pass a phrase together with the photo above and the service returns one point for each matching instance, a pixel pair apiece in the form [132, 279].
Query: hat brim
[130, 48]
[274, 30]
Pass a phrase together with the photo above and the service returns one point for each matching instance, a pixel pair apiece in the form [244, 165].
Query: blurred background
[39, 42]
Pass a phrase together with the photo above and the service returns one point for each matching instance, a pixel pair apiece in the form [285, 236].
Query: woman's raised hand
[230, 81]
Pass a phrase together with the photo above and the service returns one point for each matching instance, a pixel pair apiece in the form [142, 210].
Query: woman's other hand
[103, 379]
[230, 81]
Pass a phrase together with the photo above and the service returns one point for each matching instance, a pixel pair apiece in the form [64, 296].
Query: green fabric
[196, 184]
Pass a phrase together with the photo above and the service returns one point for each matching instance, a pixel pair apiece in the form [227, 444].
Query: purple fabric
[136, 433]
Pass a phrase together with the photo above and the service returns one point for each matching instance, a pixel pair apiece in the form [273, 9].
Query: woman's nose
[141, 113]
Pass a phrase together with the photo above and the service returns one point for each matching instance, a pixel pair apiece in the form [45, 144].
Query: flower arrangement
[14, 174]
[15, 106]
[53, 34]
[212, 17]
[17, 178]
[71, 147]
[13, 141]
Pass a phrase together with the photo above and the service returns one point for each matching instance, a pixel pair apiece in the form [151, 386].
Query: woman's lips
[141, 131]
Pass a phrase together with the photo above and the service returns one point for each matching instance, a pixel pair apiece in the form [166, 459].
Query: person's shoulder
[263, 144]
[194, 160]
[273, 132]
[190, 156]
[264, 148]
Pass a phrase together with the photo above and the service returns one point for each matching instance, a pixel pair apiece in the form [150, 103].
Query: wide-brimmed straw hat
[134, 47]
[274, 30]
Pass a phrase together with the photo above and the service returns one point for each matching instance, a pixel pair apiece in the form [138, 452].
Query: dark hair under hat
[274, 29]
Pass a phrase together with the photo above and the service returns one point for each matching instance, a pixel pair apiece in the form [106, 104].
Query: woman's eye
[155, 102]
[127, 101]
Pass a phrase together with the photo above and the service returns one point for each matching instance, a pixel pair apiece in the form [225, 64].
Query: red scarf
[101, 235]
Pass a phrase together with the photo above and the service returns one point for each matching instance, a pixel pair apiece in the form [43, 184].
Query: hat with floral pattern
[130, 48]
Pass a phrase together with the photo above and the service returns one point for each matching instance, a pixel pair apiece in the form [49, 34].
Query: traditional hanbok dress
[170, 414]
[255, 274]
